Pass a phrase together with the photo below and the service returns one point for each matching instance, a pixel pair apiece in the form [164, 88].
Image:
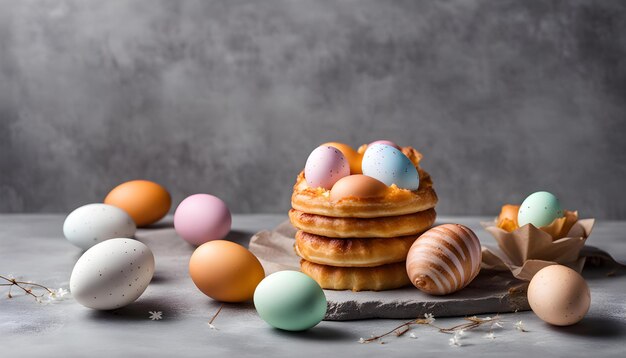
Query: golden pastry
[356, 234]
[409, 224]
[507, 220]
[379, 278]
[352, 252]
[396, 201]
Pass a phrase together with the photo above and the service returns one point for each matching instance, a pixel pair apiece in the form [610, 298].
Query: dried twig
[458, 330]
[25, 286]
[215, 316]
[401, 329]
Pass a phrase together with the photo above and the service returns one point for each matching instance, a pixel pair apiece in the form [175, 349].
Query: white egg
[93, 223]
[112, 274]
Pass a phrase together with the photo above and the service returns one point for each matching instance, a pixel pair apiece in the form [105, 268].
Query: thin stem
[34, 284]
[216, 313]
[473, 322]
[27, 287]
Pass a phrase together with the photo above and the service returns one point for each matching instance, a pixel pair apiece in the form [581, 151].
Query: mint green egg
[539, 209]
[290, 300]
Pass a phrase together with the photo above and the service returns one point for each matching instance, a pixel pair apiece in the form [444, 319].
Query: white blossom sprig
[456, 338]
[457, 331]
[519, 325]
[402, 329]
[48, 295]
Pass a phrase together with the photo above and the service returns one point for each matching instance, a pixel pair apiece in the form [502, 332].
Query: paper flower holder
[528, 249]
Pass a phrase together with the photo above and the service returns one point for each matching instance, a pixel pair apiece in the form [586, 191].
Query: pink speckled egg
[386, 142]
[201, 218]
[325, 166]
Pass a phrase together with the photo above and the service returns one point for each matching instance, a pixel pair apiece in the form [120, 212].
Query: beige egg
[559, 295]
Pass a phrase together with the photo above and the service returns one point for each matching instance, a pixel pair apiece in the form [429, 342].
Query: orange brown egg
[145, 201]
[225, 271]
[359, 186]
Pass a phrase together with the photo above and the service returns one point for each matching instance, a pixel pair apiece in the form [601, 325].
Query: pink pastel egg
[325, 166]
[386, 142]
[201, 218]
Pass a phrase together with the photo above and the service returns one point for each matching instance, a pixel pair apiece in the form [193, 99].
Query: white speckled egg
[112, 274]
[391, 166]
[93, 223]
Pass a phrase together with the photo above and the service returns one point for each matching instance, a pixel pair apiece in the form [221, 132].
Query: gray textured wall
[229, 97]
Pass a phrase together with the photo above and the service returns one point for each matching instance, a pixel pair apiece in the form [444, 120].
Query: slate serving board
[490, 292]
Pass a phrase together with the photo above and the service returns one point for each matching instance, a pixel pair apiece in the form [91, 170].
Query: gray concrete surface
[228, 97]
[32, 246]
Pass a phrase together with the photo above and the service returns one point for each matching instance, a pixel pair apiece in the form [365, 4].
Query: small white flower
[361, 340]
[519, 325]
[58, 295]
[211, 326]
[412, 335]
[429, 317]
[490, 335]
[156, 315]
[456, 338]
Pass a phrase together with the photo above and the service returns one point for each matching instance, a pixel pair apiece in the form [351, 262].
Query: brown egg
[357, 185]
[559, 295]
[354, 158]
[145, 201]
[225, 271]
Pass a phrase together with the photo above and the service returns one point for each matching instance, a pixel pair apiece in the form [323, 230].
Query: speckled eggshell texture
[353, 157]
[112, 274]
[559, 295]
[540, 209]
[390, 166]
[93, 223]
[325, 166]
[385, 142]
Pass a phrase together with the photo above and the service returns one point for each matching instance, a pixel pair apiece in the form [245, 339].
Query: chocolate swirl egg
[444, 259]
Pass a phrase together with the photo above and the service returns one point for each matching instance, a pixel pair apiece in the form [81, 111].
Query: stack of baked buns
[358, 212]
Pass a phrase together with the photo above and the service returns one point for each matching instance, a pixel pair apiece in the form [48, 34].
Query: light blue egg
[290, 300]
[539, 209]
[391, 166]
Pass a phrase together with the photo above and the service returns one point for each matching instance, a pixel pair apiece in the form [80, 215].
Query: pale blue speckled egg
[391, 166]
[539, 209]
